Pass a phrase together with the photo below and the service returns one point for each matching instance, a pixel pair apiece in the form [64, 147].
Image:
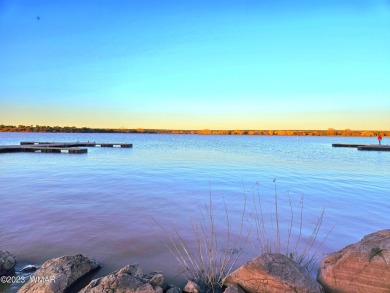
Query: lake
[109, 203]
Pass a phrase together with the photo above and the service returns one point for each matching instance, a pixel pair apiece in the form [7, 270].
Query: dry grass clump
[215, 250]
[271, 238]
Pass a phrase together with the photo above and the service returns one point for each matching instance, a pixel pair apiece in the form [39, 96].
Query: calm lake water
[103, 203]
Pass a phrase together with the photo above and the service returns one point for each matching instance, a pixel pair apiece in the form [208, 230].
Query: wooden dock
[58, 147]
[364, 147]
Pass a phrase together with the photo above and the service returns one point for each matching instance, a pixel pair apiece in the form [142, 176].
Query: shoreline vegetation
[73, 129]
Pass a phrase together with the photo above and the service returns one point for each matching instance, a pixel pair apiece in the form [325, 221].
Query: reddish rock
[360, 267]
[272, 273]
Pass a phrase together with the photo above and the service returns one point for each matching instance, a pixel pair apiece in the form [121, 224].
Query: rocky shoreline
[360, 267]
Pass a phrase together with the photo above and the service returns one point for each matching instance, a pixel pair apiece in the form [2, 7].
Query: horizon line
[141, 129]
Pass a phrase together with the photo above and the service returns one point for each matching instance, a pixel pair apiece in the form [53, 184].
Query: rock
[58, 274]
[134, 270]
[7, 262]
[125, 280]
[145, 288]
[158, 289]
[29, 269]
[234, 289]
[155, 278]
[272, 273]
[173, 289]
[360, 267]
[191, 287]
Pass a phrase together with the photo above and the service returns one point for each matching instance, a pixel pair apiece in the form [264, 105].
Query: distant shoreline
[73, 129]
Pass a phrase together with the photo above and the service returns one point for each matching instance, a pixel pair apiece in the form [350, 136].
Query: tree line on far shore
[73, 129]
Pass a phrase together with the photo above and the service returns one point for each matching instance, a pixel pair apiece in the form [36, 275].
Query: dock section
[40, 149]
[79, 144]
[364, 147]
[382, 148]
[346, 145]
[58, 147]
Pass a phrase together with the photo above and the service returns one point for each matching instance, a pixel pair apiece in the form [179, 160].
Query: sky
[304, 64]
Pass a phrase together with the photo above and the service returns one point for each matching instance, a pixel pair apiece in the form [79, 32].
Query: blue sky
[210, 64]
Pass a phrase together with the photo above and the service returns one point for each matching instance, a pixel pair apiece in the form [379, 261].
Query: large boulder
[126, 280]
[360, 267]
[7, 262]
[58, 274]
[272, 273]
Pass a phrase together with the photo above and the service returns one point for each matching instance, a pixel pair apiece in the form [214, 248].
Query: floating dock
[364, 147]
[58, 147]
[345, 145]
[382, 148]
[77, 144]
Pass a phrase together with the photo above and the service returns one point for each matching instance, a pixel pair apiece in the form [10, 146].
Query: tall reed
[303, 250]
[213, 258]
